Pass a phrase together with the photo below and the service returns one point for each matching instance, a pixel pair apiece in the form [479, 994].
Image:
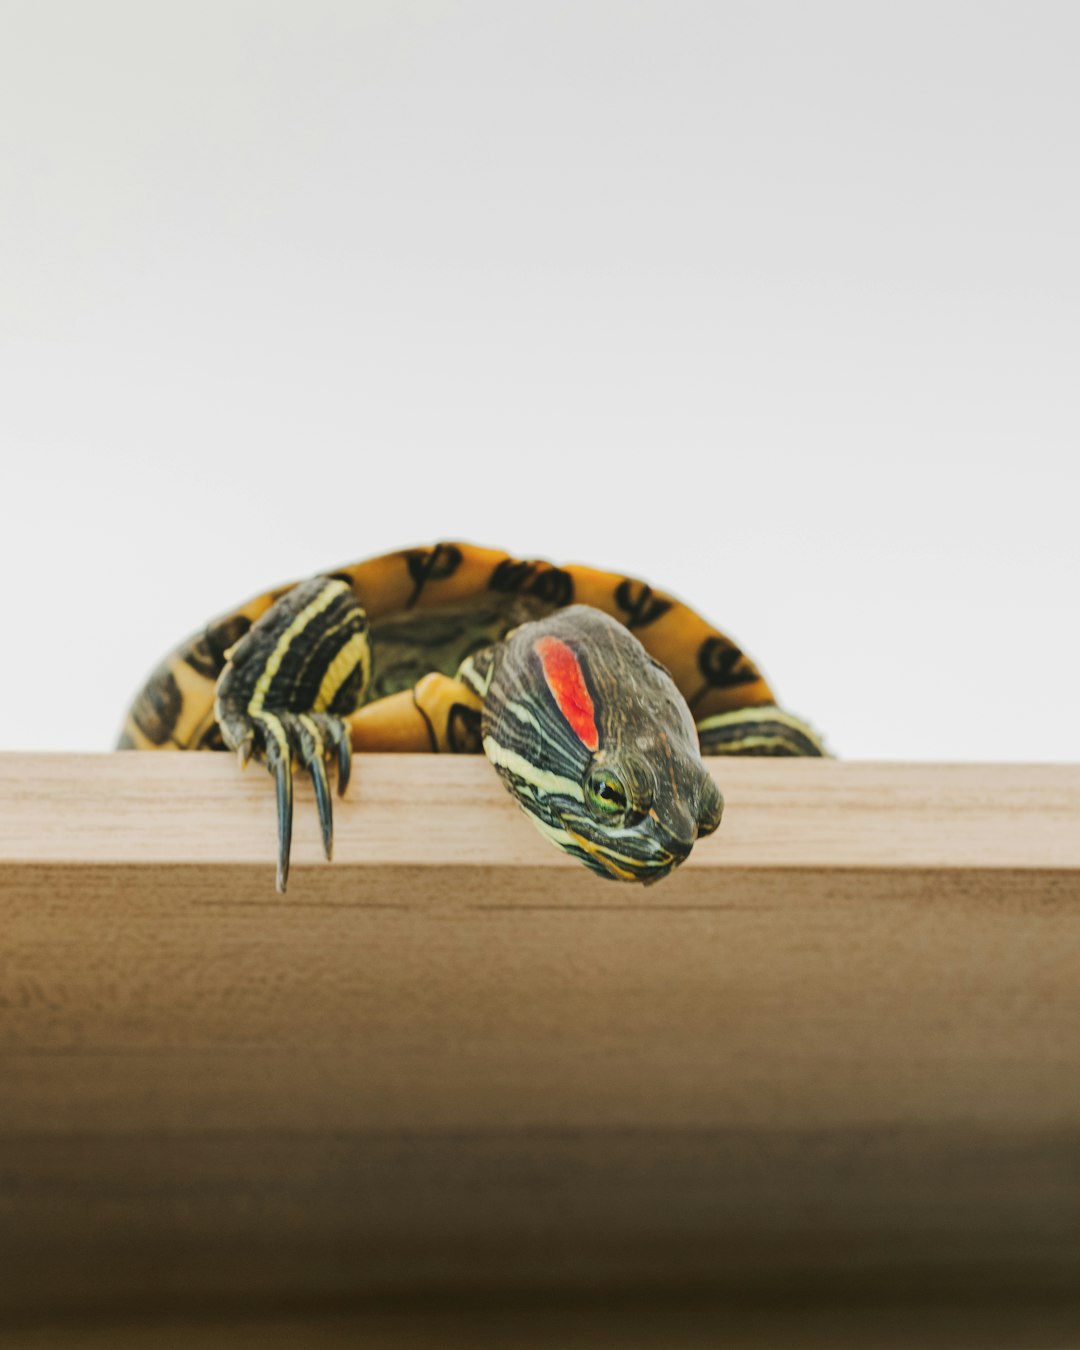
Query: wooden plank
[440, 810]
[600, 1322]
[838, 1050]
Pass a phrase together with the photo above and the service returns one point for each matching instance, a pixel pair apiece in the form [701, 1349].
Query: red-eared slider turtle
[593, 695]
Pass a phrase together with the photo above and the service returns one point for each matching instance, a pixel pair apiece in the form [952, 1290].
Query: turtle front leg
[285, 692]
[765, 730]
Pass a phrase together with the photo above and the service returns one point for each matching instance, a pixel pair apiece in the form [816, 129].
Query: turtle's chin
[627, 855]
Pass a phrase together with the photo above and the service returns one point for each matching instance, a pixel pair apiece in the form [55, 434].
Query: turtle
[593, 695]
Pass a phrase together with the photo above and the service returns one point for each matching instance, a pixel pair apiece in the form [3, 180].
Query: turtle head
[594, 740]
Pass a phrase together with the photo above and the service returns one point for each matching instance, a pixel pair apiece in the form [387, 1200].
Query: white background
[774, 304]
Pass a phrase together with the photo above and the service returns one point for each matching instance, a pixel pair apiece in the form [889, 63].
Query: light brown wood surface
[837, 1055]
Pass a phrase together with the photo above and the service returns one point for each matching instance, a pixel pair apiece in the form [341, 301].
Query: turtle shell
[430, 608]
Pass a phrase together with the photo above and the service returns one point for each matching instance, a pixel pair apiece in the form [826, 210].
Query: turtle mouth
[674, 856]
[646, 867]
[675, 847]
[602, 859]
[679, 849]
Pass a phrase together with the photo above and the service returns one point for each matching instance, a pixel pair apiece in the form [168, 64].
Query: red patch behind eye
[565, 679]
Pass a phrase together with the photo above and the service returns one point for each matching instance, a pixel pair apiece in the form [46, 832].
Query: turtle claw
[344, 759]
[283, 780]
[317, 769]
[281, 740]
[335, 733]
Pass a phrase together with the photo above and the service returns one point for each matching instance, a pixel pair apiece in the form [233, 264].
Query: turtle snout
[710, 808]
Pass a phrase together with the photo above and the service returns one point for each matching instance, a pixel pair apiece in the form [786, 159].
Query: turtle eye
[606, 794]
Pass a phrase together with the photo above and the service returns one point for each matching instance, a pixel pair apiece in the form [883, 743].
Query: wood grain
[838, 1051]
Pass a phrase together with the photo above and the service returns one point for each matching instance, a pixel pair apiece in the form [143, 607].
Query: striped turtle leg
[286, 689]
[763, 730]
